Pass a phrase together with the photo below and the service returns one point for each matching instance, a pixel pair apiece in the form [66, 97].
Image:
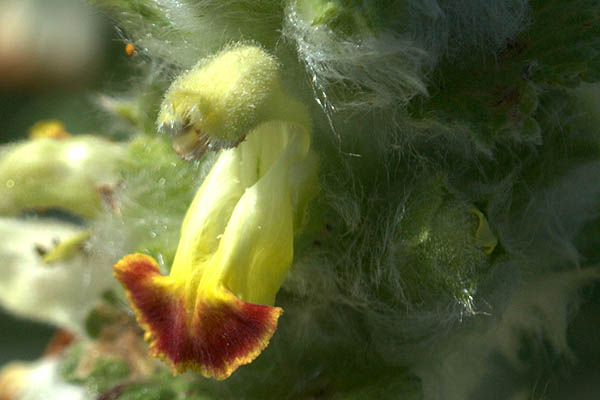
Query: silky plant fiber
[318, 199]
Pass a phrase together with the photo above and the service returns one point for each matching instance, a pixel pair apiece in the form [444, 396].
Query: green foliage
[564, 42]
[155, 175]
[106, 374]
[499, 100]
[458, 213]
[70, 362]
[148, 392]
[350, 17]
[95, 321]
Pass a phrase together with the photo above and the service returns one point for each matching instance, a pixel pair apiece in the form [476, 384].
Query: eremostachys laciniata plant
[322, 199]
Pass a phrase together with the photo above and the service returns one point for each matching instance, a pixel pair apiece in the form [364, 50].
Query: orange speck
[61, 340]
[129, 49]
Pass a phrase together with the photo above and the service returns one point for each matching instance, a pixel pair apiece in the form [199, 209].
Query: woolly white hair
[378, 71]
[389, 67]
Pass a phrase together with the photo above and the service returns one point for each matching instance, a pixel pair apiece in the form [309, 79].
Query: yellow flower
[49, 128]
[214, 311]
[484, 235]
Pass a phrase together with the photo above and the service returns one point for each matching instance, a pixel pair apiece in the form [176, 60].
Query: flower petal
[213, 335]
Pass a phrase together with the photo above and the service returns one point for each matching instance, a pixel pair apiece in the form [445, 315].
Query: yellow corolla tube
[215, 310]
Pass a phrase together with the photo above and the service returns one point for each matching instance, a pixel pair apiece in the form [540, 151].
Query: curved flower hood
[223, 98]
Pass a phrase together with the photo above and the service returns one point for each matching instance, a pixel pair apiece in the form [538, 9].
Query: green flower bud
[68, 173]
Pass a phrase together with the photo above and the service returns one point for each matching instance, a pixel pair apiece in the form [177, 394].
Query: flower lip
[220, 333]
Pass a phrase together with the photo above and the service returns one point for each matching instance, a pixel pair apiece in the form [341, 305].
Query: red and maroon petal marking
[229, 334]
[215, 341]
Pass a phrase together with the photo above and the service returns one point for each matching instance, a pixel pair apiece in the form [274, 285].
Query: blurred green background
[35, 86]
